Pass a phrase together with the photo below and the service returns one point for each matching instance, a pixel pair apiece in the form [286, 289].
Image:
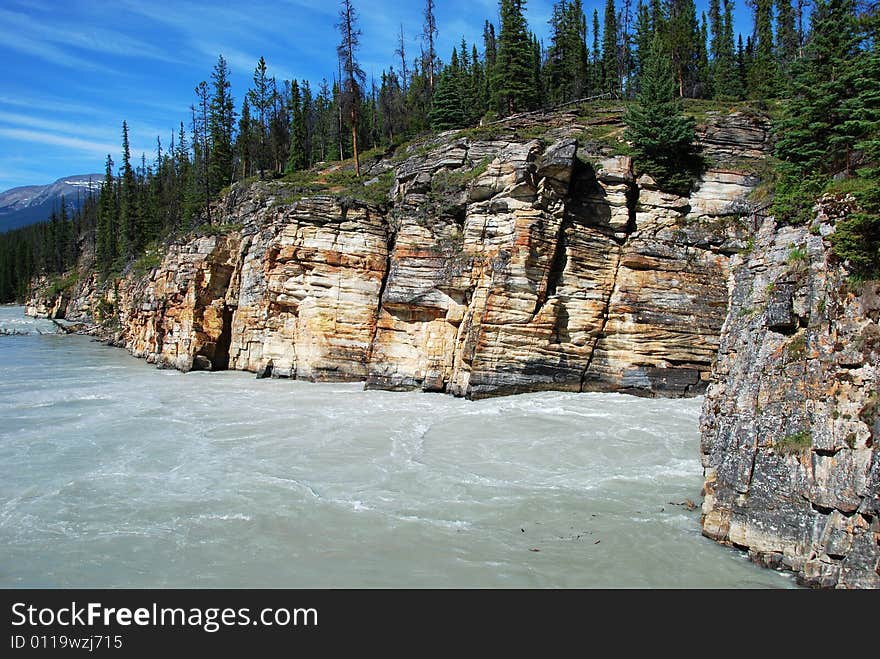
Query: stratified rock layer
[500, 265]
[793, 412]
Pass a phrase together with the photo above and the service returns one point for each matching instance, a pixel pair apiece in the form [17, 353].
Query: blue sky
[72, 70]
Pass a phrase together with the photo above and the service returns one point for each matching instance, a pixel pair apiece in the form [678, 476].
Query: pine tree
[260, 101]
[448, 111]
[429, 31]
[763, 71]
[682, 40]
[221, 124]
[354, 78]
[128, 211]
[817, 136]
[610, 50]
[702, 88]
[725, 80]
[787, 45]
[598, 79]
[296, 158]
[204, 163]
[490, 49]
[244, 144]
[567, 69]
[662, 136]
[106, 233]
[512, 83]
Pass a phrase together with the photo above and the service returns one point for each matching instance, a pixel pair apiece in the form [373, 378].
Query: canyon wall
[505, 263]
[502, 264]
[793, 410]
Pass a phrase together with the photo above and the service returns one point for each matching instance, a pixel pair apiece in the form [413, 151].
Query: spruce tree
[567, 69]
[610, 50]
[512, 82]
[682, 41]
[814, 136]
[260, 100]
[448, 111]
[128, 211]
[662, 136]
[221, 124]
[786, 38]
[106, 232]
[429, 32]
[296, 159]
[813, 142]
[763, 81]
[597, 78]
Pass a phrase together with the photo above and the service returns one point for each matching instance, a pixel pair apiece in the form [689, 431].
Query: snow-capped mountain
[33, 203]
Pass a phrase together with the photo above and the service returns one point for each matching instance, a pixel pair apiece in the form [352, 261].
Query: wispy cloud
[11, 40]
[30, 121]
[87, 147]
[50, 104]
[78, 37]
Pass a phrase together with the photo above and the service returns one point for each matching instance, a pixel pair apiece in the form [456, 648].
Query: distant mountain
[33, 203]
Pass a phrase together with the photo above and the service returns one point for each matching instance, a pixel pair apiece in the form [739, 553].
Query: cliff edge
[793, 410]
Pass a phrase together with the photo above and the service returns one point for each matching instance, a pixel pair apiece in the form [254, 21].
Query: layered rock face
[551, 270]
[793, 411]
[502, 265]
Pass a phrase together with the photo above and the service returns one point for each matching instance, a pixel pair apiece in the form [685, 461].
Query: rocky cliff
[793, 410]
[528, 257]
[502, 263]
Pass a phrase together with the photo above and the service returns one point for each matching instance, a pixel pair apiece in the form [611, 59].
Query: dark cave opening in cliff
[224, 341]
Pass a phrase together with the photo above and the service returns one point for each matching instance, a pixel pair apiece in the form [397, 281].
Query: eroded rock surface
[500, 265]
[793, 411]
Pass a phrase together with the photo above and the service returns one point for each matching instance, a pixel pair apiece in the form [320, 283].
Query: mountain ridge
[29, 204]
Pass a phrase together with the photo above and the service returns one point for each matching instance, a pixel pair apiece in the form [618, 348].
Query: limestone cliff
[793, 411]
[501, 263]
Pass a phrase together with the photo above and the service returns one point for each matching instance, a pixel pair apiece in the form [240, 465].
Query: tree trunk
[354, 144]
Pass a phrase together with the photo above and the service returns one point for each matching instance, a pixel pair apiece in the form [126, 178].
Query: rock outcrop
[793, 411]
[501, 263]
[550, 269]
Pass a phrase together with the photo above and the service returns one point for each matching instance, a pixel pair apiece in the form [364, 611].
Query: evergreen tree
[244, 144]
[260, 99]
[401, 53]
[787, 44]
[128, 219]
[598, 79]
[816, 134]
[832, 109]
[296, 158]
[662, 136]
[309, 121]
[448, 111]
[354, 77]
[429, 32]
[490, 49]
[763, 70]
[512, 82]
[201, 129]
[610, 51]
[221, 125]
[567, 69]
[107, 230]
[683, 43]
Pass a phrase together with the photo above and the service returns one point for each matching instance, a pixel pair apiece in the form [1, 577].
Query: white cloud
[78, 144]
[79, 36]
